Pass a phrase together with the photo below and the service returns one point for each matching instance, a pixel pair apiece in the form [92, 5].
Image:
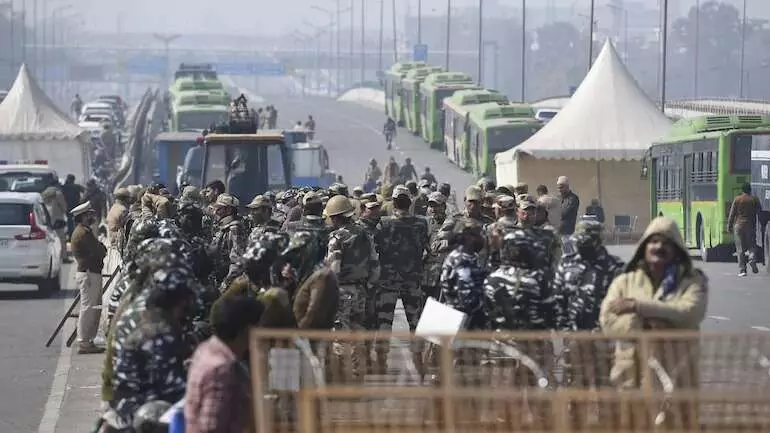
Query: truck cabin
[171, 148]
[310, 165]
[248, 163]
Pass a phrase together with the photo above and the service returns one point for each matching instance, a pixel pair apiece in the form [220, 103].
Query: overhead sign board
[263, 69]
[420, 53]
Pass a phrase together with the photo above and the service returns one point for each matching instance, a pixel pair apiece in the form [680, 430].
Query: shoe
[89, 349]
[754, 268]
[742, 273]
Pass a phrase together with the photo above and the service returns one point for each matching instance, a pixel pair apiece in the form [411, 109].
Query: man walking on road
[742, 223]
[89, 254]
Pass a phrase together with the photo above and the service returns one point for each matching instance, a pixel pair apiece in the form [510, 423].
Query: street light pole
[167, 39]
[591, 35]
[363, 42]
[337, 62]
[352, 34]
[743, 51]
[419, 21]
[524, 50]
[382, 33]
[696, 66]
[480, 68]
[448, 32]
[395, 33]
[664, 49]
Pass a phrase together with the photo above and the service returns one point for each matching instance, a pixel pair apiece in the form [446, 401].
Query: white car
[26, 176]
[99, 108]
[94, 121]
[30, 250]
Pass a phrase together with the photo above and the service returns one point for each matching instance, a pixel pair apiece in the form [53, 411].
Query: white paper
[285, 366]
[438, 319]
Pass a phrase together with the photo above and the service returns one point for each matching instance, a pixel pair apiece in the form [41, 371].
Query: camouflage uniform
[257, 228]
[150, 353]
[498, 229]
[141, 230]
[462, 286]
[438, 250]
[230, 242]
[352, 256]
[518, 293]
[316, 226]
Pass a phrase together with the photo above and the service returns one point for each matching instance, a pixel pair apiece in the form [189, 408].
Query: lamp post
[382, 33]
[696, 54]
[419, 21]
[480, 68]
[524, 50]
[743, 51]
[395, 33]
[448, 31]
[664, 49]
[363, 42]
[166, 40]
[332, 23]
[352, 34]
[591, 21]
[53, 45]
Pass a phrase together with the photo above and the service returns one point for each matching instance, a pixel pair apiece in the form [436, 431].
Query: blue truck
[171, 149]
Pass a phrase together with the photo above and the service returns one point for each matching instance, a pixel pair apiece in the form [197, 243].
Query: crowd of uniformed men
[334, 260]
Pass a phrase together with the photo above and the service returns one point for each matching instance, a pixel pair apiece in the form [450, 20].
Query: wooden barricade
[318, 382]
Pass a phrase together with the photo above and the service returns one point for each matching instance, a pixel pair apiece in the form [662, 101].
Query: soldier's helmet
[339, 205]
[464, 229]
[302, 250]
[167, 229]
[177, 279]
[519, 247]
[339, 189]
[266, 249]
[588, 233]
[171, 251]
[147, 417]
[226, 200]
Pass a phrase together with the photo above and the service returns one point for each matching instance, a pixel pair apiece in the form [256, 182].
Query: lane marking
[719, 318]
[760, 328]
[58, 387]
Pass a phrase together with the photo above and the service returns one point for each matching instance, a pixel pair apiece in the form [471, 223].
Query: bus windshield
[196, 75]
[200, 119]
[502, 139]
[247, 168]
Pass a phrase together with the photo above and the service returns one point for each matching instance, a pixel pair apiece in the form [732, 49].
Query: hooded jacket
[683, 308]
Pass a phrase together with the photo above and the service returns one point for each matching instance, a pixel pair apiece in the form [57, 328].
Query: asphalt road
[27, 366]
[351, 134]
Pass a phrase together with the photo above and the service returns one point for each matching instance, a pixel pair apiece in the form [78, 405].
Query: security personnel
[229, 240]
[313, 222]
[527, 219]
[89, 254]
[505, 209]
[352, 256]
[260, 218]
[116, 217]
[403, 241]
[434, 259]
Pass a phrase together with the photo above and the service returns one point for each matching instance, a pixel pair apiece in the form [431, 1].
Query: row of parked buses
[452, 113]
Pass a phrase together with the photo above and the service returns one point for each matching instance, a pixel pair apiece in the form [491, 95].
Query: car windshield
[201, 119]
[24, 181]
[95, 118]
[196, 75]
[546, 115]
[248, 169]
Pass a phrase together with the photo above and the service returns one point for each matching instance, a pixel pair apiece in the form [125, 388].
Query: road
[351, 135]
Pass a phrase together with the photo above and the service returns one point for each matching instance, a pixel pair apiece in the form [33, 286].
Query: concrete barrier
[367, 97]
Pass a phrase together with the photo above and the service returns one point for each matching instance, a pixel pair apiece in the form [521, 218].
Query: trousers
[745, 246]
[90, 288]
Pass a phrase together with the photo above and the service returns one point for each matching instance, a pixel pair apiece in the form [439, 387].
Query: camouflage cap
[473, 193]
[270, 195]
[134, 190]
[526, 201]
[411, 183]
[122, 193]
[266, 248]
[519, 246]
[506, 189]
[175, 279]
[358, 189]
[260, 201]
[339, 188]
[589, 224]
[369, 196]
[424, 183]
[167, 229]
[505, 202]
[226, 200]
[436, 197]
[191, 193]
[372, 204]
[401, 191]
[312, 198]
[521, 188]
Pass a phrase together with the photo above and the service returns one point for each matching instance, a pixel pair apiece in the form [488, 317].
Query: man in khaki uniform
[116, 217]
[89, 254]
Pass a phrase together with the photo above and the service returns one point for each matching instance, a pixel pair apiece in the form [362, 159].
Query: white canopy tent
[598, 139]
[33, 128]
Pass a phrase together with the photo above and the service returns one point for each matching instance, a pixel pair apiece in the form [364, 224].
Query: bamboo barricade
[313, 382]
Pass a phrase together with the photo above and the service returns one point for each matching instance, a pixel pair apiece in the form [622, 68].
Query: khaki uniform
[116, 220]
[89, 254]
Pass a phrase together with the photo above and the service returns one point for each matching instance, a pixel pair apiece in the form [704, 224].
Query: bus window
[307, 163]
[275, 173]
[740, 154]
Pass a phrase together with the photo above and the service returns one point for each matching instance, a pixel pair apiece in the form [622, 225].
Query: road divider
[365, 96]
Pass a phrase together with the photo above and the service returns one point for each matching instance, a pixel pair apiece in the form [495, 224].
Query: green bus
[496, 128]
[199, 116]
[456, 121]
[200, 97]
[188, 84]
[433, 90]
[698, 170]
[394, 107]
[410, 86]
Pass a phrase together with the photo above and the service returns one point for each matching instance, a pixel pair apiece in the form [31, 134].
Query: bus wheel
[706, 254]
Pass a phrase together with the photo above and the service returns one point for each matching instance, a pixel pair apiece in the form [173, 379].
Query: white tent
[33, 128]
[598, 140]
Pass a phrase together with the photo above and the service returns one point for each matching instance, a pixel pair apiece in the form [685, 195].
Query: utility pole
[12, 38]
[167, 39]
[523, 50]
[480, 56]
[395, 33]
[337, 62]
[448, 32]
[696, 66]
[35, 22]
[382, 32]
[743, 51]
[352, 34]
[24, 32]
[419, 21]
[664, 49]
[363, 42]
[591, 20]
